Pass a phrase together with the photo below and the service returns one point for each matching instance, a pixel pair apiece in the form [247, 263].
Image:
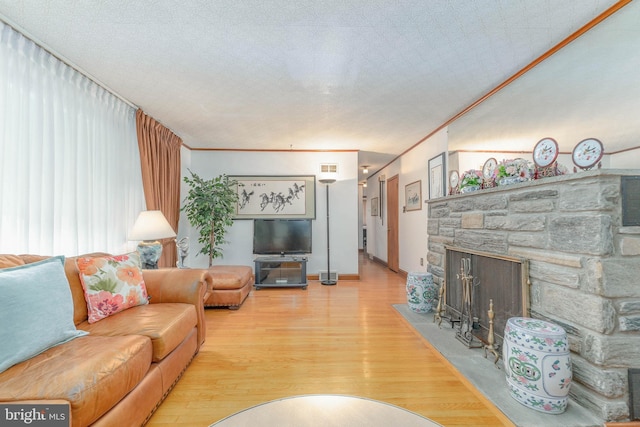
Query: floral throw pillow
[111, 284]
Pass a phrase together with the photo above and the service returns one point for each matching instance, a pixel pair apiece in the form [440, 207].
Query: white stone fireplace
[583, 269]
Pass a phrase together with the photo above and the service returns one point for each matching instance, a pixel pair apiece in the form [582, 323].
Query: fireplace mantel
[584, 268]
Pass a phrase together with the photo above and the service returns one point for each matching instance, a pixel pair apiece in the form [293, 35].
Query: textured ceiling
[370, 75]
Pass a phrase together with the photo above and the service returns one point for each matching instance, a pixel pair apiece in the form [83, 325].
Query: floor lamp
[328, 280]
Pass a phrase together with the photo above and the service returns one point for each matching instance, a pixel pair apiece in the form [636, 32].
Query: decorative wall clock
[489, 167]
[545, 152]
[454, 181]
[587, 153]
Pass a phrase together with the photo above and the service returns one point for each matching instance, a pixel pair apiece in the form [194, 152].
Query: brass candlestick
[491, 336]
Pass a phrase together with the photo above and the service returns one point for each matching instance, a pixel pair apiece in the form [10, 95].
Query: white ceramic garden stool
[422, 294]
[537, 364]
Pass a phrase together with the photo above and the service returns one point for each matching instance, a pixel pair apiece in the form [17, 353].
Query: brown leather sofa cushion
[166, 324]
[7, 261]
[92, 384]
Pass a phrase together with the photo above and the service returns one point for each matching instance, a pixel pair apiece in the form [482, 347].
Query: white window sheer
[70, 177]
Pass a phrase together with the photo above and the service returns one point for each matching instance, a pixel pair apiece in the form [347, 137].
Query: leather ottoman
[231, 286]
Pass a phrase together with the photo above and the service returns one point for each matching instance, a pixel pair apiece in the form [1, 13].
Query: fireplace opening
[477, 281]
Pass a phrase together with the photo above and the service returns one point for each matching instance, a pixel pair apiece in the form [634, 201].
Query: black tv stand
[281, 271]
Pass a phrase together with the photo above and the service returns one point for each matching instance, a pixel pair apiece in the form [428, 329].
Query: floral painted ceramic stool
[537, 364]
[422, 294]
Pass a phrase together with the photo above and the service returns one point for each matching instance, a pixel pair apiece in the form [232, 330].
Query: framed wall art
[437, 178]
[283, 197]
[413, 196]
[375, 206]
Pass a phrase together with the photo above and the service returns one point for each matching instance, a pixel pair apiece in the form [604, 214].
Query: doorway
[393, 255]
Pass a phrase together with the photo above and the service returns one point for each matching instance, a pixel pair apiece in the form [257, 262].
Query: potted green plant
[210, 206]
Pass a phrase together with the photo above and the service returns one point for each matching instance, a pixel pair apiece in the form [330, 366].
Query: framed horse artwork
[283, 197]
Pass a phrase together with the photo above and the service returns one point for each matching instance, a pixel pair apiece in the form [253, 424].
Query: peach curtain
[160, 161]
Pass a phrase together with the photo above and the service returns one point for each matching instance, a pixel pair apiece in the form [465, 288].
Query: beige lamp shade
[149, 228]
[151, 225]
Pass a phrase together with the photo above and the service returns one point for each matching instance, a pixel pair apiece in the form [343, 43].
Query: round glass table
[327, 411]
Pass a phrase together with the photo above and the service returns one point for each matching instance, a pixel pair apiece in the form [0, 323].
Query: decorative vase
[422, 293]
[537, 364]
[469, 188]
[508, 180]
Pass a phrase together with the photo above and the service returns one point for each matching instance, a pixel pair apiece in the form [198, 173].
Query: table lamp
[150, 226]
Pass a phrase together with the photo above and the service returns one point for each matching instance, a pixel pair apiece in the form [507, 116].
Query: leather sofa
[120, 372]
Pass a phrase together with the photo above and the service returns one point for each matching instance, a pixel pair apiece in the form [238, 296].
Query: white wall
[413, 225]
[412, 233]
[343, 204]
[626, 160]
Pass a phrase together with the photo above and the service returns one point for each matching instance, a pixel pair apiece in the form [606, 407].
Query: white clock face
[587, 153]
[545, 152]
[454, 179]
[489, 167]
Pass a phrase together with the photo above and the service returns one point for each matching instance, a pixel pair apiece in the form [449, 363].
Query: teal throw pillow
[36, 310]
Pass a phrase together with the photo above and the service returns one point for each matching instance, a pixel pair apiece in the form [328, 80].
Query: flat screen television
[281, 236]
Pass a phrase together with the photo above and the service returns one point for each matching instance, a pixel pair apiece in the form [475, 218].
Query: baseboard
[349, 277]
[379, 261]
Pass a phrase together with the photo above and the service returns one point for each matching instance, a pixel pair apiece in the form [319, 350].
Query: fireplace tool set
[467, 322]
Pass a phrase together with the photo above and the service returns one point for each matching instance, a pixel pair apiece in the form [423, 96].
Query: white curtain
[70, 178]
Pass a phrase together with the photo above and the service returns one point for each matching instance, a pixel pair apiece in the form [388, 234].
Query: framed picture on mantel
[437, 178]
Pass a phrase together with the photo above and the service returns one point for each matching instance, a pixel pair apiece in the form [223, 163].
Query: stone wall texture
[584, 268]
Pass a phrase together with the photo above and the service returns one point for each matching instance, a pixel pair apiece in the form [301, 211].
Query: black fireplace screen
[501, 279]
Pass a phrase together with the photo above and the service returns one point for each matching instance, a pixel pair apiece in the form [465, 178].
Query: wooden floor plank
[345, 339]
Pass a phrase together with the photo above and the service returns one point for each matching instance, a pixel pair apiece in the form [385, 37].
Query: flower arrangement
[514, 168]
[471, 178]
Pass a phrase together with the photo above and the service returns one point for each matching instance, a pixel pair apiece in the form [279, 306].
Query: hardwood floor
[345, 339]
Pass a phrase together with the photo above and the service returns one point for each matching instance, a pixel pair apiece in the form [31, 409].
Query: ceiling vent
[329, 168]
